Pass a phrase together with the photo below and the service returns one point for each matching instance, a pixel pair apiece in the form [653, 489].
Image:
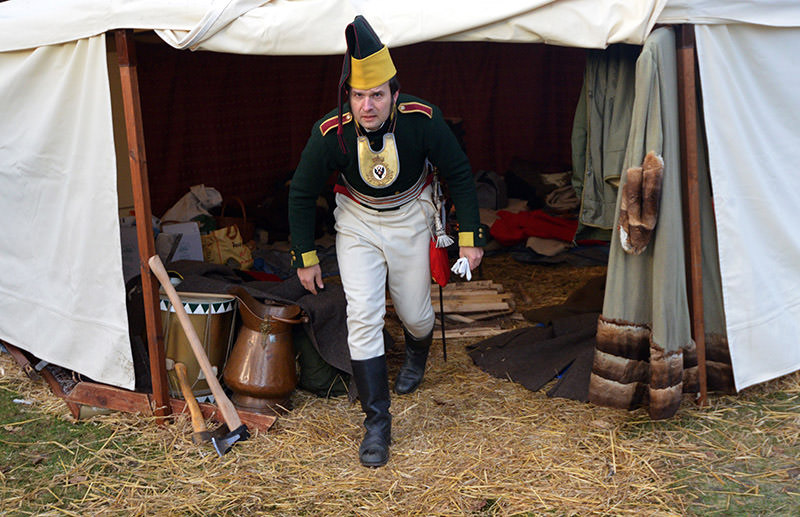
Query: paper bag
[226, 246]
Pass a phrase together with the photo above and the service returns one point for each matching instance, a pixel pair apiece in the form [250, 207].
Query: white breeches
[373, 246]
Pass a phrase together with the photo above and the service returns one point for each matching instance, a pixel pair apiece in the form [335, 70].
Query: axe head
[224, 443]
[219, 432]
[199, 437]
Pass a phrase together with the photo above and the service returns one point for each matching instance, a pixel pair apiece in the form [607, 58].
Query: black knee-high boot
[373, 391]
[410, 375]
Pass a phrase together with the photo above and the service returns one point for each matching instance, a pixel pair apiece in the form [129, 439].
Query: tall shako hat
[366, 63]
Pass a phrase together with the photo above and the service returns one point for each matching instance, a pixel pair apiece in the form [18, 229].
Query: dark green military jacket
[420, 133]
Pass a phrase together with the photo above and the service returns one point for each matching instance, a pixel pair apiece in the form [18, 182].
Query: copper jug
[261, 370]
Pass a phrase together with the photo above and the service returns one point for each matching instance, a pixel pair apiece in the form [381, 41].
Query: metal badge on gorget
[378, 169]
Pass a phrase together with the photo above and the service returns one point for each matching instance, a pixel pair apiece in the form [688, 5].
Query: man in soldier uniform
[380, 142]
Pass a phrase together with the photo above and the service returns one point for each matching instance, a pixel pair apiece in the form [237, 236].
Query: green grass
[41, 456]
[739, 458]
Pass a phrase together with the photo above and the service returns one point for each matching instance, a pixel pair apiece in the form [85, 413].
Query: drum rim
[194, 294]
[202, 299]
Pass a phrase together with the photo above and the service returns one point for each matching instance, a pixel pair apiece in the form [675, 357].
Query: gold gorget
[378, 169]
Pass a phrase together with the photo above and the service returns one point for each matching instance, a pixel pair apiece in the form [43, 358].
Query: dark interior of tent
[239, 122]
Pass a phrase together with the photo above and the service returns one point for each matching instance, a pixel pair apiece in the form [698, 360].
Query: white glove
[461, 268]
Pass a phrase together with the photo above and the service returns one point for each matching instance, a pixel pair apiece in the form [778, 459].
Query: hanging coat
[645, 353]
[600, 131]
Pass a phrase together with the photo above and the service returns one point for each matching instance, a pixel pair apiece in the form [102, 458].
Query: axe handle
[198, 422]
[223, 402]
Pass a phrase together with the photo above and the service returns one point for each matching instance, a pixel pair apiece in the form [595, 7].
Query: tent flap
[62, 295]
[751, 125]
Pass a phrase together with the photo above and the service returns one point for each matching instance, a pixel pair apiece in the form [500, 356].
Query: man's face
[372, 107]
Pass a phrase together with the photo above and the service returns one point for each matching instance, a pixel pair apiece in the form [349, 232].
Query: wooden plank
[478, 297]
[210, 412]
[22, 361]
[462, 306]
[490, 315]
[58, 391]
[475, 317]
[134, 130]
[118, 399]
[475, 284]
[471, 307]
[109, 397]
[483, 294]
[459, 318]
[466, 297]
[471, 332]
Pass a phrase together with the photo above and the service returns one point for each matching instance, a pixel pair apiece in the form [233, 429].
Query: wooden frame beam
[126, 53]
[687, 107]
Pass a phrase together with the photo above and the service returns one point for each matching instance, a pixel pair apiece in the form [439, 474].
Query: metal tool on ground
[238, 429]
[200, 432]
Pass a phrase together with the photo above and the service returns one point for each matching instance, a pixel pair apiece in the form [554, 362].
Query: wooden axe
[239, 430]
[200, 432]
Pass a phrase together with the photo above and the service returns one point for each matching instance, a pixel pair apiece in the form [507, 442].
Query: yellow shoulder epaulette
[332, 122]
[415, 107]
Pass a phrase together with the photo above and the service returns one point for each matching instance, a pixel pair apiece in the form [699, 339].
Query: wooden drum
[212, 316]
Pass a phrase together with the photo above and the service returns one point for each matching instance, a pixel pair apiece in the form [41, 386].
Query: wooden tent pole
[687, 106]
[126, 53]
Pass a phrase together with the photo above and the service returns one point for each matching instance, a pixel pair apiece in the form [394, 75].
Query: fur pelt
[666, 381]
[630, 370]
[719, 372]
[664, 402]
[623, 339]
[620, 370]
[641, 195]
[610, 393]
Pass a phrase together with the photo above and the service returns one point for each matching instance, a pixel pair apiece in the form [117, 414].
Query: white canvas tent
[749, 109]
[61, 290]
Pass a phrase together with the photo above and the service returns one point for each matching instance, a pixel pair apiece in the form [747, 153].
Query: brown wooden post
[126, 53]
[687, 106]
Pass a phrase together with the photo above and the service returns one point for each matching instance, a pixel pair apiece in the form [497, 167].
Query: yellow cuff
[477, 238]
[309, 258]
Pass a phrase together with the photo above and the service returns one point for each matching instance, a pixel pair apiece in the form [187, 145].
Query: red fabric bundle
[440, 264]
[512, 228]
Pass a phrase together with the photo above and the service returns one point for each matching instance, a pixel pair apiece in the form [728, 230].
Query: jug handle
[301, 319]
[258, 309]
